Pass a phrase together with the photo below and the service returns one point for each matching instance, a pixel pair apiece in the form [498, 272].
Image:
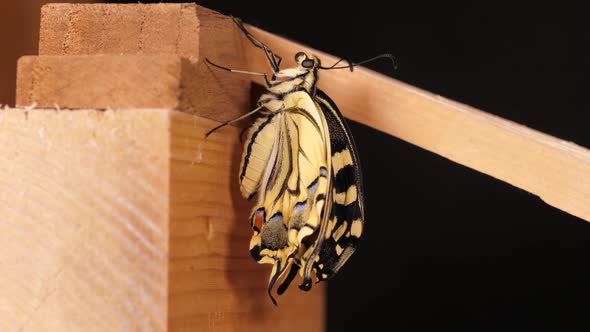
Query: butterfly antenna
[350, 65]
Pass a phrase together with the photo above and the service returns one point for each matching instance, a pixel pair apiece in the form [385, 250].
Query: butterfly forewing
[286, 161]
[303, 163]
[257, 153]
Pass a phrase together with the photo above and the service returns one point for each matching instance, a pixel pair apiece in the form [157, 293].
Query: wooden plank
[555, 170]
[100, 81]
[83, 220]
[130, 81]
[98, 56]
[130, 220]
[183, 29]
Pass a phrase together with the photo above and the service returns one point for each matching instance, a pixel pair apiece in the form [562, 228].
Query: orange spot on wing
[258, 220]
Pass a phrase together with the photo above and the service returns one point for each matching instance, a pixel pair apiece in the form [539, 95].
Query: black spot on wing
[255, 253]
[309, 241]
[337, 144]
[346, 213]
[345, 177]
[320, 197]
[340, 137]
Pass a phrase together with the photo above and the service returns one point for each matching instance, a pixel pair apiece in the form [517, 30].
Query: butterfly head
[307, 62]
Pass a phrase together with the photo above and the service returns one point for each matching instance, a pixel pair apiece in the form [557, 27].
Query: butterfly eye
[300, 56]
[308, 63]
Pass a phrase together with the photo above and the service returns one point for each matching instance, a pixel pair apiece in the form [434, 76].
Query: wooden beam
[555, 170]
[130, 81]
[83, 206]
[129, 220]
[129, 55]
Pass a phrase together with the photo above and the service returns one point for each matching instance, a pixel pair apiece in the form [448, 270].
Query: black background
[446, 247]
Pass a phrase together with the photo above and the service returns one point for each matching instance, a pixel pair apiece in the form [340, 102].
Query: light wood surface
[130, 220]
[555, 170]
[83, 220]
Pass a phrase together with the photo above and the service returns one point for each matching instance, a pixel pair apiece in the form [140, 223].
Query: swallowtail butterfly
[301, 164]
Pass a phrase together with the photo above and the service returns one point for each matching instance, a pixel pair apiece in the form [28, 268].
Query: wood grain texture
[100, 81]
[83, 220]
[555, 170]
[109, 55]
[130, 81]
[19, 33]
[130, 220]
[180, 29]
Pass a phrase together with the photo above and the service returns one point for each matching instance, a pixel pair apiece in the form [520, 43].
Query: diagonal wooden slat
[555, 170]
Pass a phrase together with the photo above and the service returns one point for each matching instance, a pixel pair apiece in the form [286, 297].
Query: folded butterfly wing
[286, 163]
[303, 164]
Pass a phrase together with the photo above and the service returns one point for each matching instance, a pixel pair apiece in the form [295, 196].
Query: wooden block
[84, 205]
[186, 30]
[130, 220]
[118, 81]
[131, 81]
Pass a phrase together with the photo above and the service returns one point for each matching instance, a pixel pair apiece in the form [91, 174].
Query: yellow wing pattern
[301, 163]
[286, 162]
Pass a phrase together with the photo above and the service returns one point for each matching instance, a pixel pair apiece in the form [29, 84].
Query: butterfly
[301, 164]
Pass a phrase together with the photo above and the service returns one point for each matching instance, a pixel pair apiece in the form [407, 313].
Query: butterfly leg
[268, 83]
[274, 60]
[233, 120]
